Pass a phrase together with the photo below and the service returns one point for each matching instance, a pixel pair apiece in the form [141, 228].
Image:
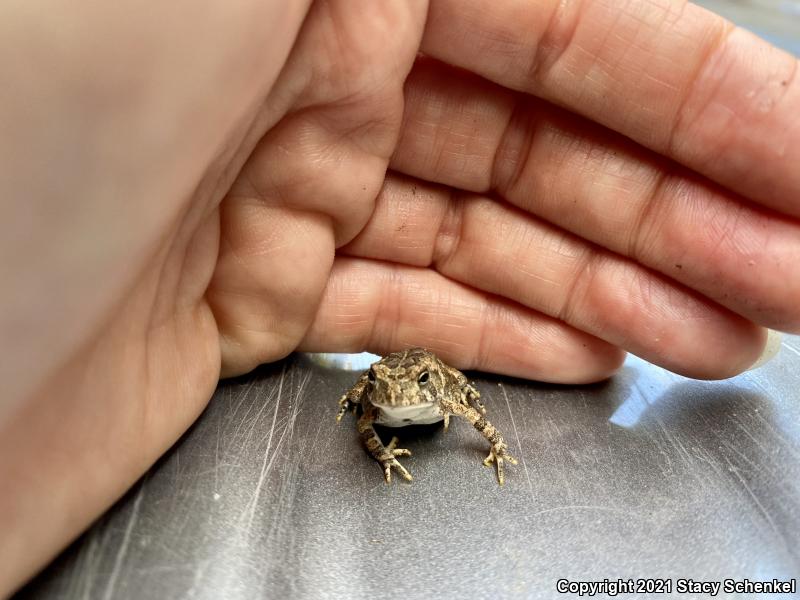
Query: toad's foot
[498, 455]
[392, 447]
[389, 461]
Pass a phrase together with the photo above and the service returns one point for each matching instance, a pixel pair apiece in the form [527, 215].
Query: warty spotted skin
[412, 387]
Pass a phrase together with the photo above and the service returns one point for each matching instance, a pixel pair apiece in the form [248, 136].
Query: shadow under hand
[724, 448]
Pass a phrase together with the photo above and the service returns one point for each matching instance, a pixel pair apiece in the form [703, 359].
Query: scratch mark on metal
[790, 348]
[243, 418]
[786, 444]
[123, 548]
[256, 420]
[262, 475]
[762, 509]
[216, 457]
[746, 431]
[675, 441]
[519, 445]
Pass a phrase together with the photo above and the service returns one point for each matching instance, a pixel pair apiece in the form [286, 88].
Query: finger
[383, 307]
[491, 246]
[670, 75]
[341, 103]
[271, 272]
[310, 181]
[604, 188]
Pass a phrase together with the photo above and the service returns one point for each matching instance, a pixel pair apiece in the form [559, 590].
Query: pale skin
[191, 191]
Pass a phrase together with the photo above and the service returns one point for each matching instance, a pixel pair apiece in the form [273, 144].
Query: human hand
[266, 166]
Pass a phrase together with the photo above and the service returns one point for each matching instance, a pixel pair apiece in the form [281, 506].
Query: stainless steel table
[647, 475]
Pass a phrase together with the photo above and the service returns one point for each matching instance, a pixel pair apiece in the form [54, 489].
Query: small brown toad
[413, 387]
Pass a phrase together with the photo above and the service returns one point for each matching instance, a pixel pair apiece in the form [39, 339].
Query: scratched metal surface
[649, 474]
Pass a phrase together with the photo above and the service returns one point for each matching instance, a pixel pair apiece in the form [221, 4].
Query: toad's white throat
[418, 414]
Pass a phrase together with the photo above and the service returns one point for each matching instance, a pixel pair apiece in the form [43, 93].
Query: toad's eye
[371, 376]
[423, 378]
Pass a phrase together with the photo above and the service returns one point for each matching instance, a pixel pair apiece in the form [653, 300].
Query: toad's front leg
[471, 397]
[385, 455]
[499, 450]
[352, 398]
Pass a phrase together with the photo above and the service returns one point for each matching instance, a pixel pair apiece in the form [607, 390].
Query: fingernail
[770, 349]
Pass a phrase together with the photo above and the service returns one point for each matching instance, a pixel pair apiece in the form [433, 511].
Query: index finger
[674, 77]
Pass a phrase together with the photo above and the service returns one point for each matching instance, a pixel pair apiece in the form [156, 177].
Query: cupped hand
[530, 188]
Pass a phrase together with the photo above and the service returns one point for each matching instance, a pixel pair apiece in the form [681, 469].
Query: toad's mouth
[425, 412]
[400, 407]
